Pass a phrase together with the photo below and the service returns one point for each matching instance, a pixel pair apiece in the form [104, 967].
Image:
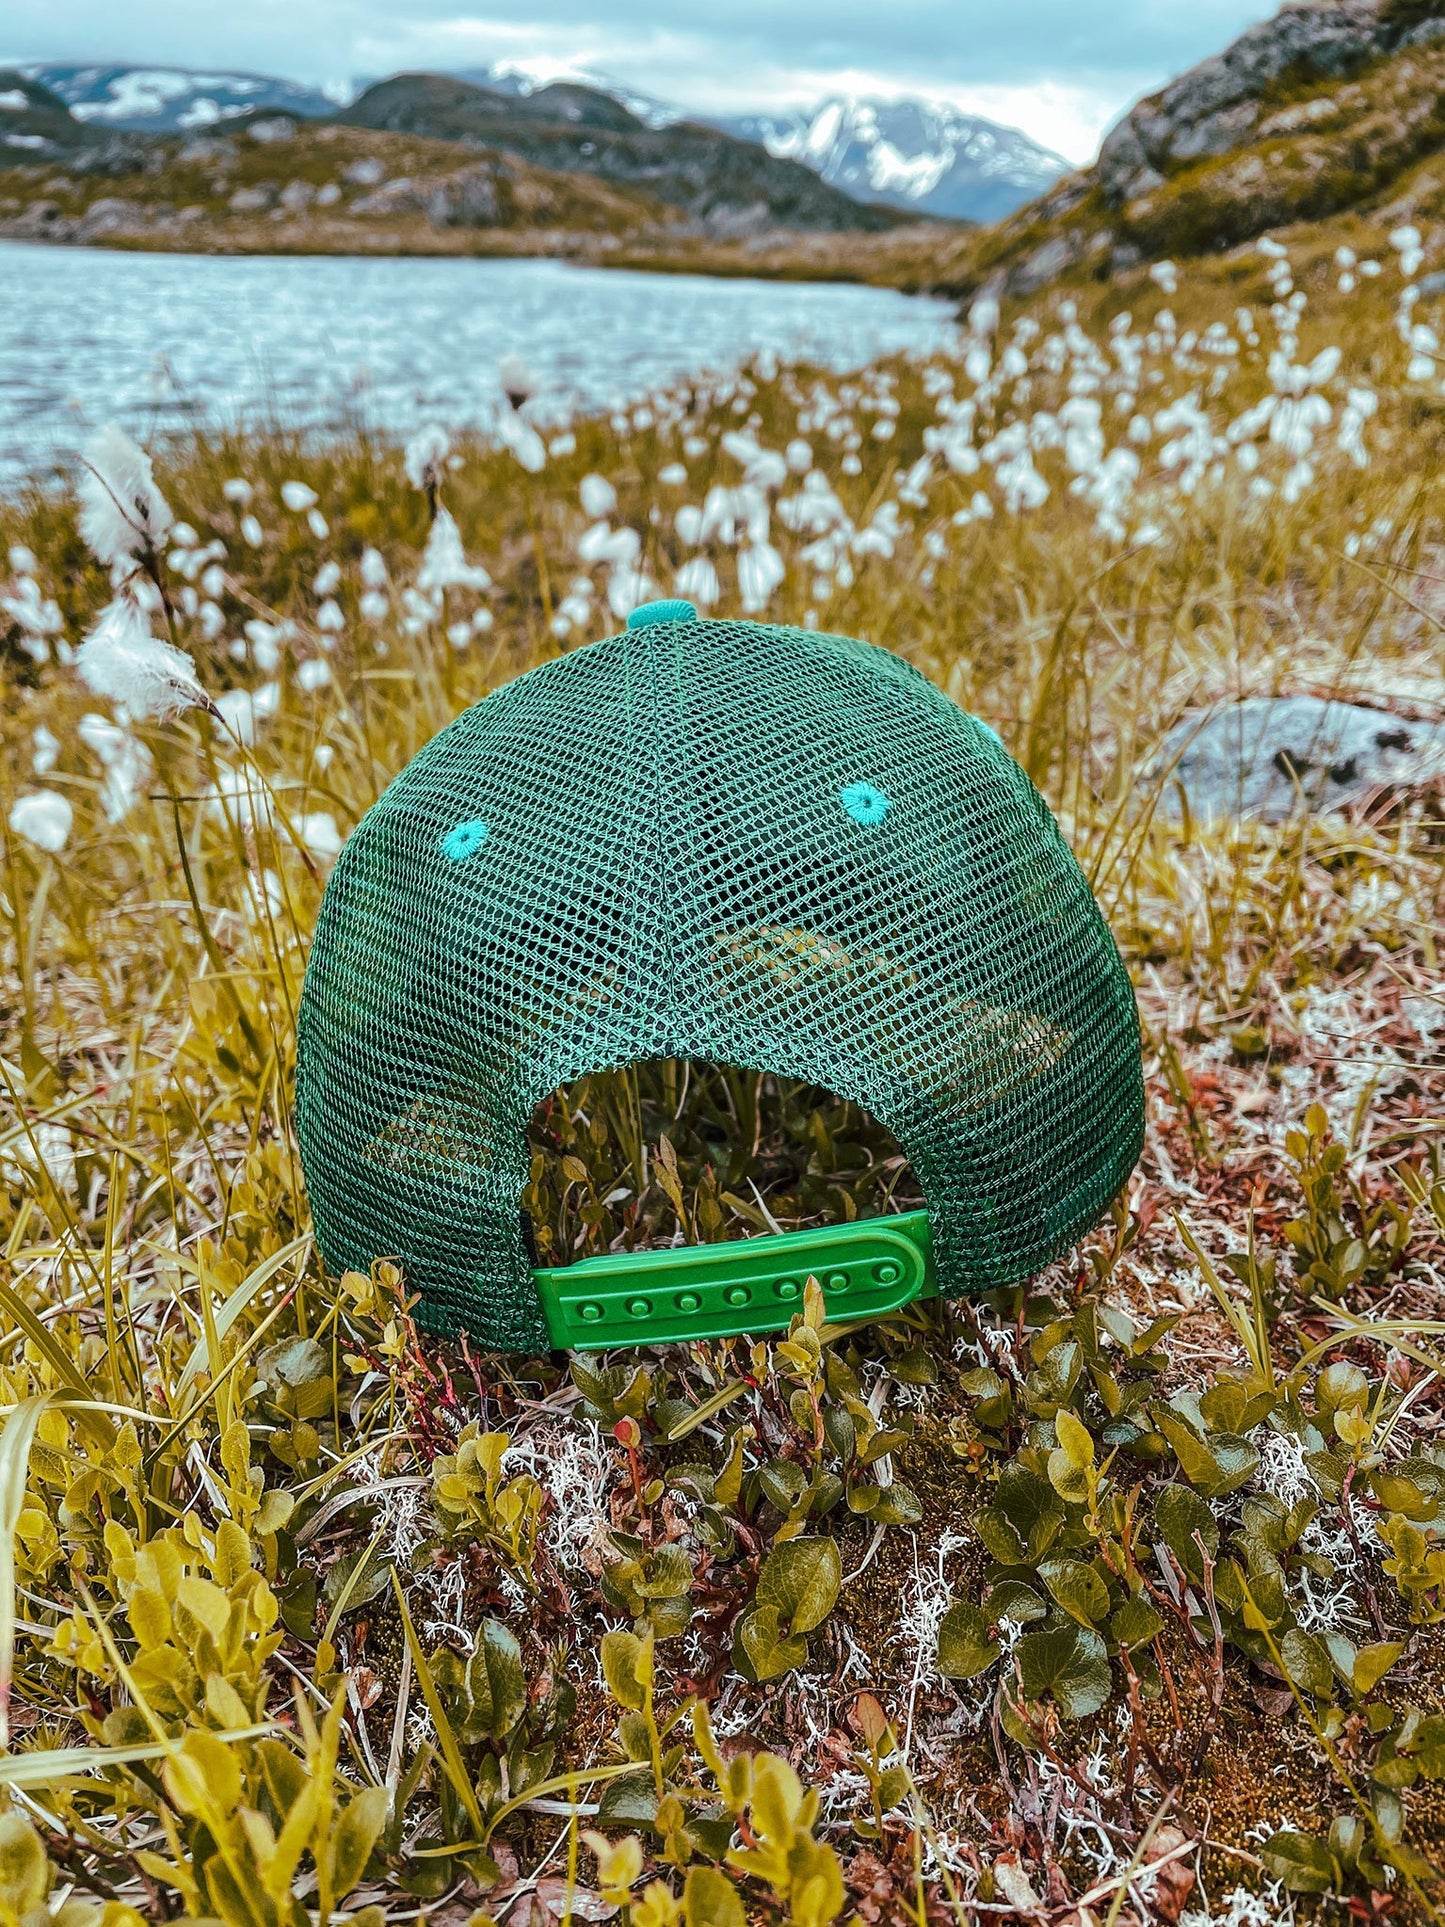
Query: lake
[168, 342]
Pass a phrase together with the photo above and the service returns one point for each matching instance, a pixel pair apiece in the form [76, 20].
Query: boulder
[472, 197]
[1270, 756]
[400, 196]
[114, 215]
[1045, 264]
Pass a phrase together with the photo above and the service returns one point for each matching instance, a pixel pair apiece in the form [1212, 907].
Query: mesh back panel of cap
[764, 847]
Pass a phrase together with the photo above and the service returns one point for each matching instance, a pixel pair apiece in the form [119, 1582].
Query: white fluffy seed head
[425, 453]
[121, 659]
[43, 818]
[122, 511]
[445, 565]
[599, 497]
[518, 381]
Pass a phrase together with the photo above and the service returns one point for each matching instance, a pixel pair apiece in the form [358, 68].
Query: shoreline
[737, 261]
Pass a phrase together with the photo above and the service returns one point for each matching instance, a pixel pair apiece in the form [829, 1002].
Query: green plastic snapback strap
[866, 1269]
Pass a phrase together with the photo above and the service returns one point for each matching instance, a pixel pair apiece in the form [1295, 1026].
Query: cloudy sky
[1060, 69]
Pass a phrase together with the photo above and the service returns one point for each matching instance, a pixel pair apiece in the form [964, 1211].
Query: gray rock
[1044, 264]
[297, 196]
[251, 200]
[401, 196]
[42, 220]
[1430, 284]
[367, 172]
[1273, 755]
[112, 215]
[470, 197]
[1147, 181]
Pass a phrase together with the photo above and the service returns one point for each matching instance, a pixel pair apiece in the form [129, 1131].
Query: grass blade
[16, 1439]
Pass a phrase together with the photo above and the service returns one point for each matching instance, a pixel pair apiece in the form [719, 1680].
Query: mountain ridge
[160, 99]
[731, 185]
[918, 154]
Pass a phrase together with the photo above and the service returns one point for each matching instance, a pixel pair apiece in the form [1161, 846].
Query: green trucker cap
[758, 846]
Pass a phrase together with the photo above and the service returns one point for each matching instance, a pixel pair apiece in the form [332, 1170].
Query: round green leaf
[762, 1650]
[1304, 1864]
[1070, 1663]
[1077, 1588]
[800, 1581]
[965, 1648]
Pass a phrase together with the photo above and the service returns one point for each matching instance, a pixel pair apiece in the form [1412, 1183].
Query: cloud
[1059, 69]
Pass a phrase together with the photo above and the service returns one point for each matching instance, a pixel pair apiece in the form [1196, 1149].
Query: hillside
[1321, 111]
[732, 186]
[280, 186]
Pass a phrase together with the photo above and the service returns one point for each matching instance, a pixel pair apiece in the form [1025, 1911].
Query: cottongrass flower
[127, 763]
[424, 457]
[697, 582]
[318, 832]
[760, 572]
[524, 442]
[46, 749]
[444, 563]
[34, 615]
[298, 496]
[241, 710]
[123, 515]
[598, 496]
[519, 383]
[121, 659]
[44, 818]
[628, 587]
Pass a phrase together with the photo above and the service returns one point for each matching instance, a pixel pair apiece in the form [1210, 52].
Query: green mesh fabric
[764, 847]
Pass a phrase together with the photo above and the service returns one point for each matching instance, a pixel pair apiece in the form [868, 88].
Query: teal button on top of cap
[667, 610]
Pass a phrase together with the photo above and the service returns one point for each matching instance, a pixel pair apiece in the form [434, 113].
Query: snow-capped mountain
[917, 154]
[921, 155]
[527, 77]
[171, 99]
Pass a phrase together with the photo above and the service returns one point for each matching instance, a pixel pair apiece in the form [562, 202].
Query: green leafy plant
[474, 1500]
[797, 1589]
[1342, 1239]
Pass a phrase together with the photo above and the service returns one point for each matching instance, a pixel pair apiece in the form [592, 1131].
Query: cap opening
[678, 1152]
